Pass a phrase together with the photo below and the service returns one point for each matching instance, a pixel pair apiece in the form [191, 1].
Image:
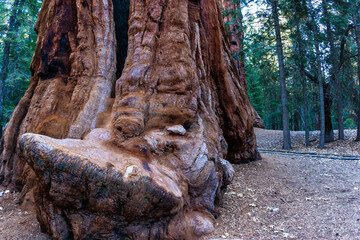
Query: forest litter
[17, 222]
[282, 196]
[294, 196]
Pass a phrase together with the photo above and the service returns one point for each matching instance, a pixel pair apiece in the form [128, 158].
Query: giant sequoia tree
[142, 155]
[233, 18]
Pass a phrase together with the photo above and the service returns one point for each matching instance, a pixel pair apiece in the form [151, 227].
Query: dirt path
[294, 196]
[284, 196]
[297, 197]
[311, 155]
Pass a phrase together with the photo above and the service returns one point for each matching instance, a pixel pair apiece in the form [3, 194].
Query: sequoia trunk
[141, 157]
[236, 41]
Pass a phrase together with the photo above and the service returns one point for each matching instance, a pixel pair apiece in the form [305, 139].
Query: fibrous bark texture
[236, 41]
[142, 157]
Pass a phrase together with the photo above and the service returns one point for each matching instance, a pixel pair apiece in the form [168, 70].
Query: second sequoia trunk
[143, 156]
[236, 41]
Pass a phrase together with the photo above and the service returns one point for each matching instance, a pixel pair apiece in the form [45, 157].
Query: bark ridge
[140, 157]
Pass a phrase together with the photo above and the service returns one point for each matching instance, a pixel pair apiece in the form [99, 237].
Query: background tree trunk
[328, 100]
[320, 81]
[285, 114]
[144, 155]
[236, 41]
[335, 73]
[322, 106]
[303, 77]
[357, 37]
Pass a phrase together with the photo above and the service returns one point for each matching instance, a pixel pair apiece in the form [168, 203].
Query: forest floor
[17, 222]
[305, 193]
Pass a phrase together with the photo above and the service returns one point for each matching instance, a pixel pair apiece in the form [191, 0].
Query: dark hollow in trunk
[121, 17]
[143, 160]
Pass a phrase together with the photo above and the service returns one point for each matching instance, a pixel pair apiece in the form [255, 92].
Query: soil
[17, 222]
[294, 196]
[283, 196]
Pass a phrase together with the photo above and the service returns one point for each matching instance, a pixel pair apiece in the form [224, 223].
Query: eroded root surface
[92, 189]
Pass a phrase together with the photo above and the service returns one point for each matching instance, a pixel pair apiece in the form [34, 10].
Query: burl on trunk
[141, 157]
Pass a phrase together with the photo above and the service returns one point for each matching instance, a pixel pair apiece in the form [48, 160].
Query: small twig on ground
[9, 214]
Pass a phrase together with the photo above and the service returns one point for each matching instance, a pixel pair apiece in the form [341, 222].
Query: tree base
[91, 189]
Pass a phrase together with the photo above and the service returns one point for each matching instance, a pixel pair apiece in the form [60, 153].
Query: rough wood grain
[142, 157]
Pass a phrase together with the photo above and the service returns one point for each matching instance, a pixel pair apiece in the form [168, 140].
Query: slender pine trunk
[321, 93]
[306, 114]
[315, 32]
[335, 73]
[358, 118]
[322, 110]
[285, 112]
[357, 34]
[303, 79]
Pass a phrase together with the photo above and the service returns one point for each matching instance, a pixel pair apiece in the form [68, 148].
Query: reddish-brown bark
[236, 41]
[142, 158]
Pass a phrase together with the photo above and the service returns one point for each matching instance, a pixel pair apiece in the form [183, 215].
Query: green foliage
[21, 50]
[349, 123]
[259, 48]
